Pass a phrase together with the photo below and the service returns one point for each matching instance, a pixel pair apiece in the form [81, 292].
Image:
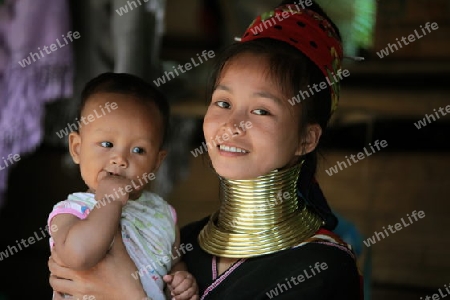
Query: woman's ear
[74, 146]
[311, 139]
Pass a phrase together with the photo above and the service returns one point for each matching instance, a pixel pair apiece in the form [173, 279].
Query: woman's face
[250, 126]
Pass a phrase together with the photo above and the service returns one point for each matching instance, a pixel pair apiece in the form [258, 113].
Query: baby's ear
[74, 146]
[311, 139]
[161, 155]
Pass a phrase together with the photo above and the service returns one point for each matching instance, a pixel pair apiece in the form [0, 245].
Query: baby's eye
[138, 150]
[261, 112]
[223, 104]
[106, 144]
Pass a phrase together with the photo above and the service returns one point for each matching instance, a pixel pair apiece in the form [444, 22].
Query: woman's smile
[232, 151]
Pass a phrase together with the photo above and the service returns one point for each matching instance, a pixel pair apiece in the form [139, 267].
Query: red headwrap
[307, 31]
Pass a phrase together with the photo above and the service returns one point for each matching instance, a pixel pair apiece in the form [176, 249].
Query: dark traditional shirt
[323, 267]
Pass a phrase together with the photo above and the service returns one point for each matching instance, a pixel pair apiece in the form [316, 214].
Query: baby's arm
[181, 284]
[81, 244]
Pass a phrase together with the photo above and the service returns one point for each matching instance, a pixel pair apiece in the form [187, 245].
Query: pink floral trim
[214, 268]
[222, 277]
[66, 210]
[174, 214]
[346, 249]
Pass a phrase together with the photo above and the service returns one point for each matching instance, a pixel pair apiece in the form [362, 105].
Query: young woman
[272, 234]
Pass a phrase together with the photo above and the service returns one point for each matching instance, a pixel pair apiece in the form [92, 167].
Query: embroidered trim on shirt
[222, 277]
[341, 247]
[324, 237]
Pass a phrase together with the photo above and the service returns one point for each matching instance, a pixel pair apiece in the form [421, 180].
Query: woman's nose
[234, 125]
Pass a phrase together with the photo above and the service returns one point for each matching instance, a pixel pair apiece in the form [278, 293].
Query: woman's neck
[259, 216]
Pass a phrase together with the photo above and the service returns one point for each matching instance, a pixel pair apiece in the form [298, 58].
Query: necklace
[259, 216]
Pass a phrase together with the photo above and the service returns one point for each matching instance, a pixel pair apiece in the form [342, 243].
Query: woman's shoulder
[324, 251]
[326, 239]
[313, 271]
[323, 266]
[326, 256]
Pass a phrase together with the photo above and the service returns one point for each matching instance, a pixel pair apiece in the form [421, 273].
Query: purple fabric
[26, 25]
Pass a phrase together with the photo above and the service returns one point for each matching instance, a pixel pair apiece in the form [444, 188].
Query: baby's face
[123, 140]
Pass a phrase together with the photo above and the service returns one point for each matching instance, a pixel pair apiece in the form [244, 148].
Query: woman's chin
[232, 173]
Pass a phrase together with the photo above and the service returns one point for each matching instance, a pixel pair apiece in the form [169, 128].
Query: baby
[118, 146]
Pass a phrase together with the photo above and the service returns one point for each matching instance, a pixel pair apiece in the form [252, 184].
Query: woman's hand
[110, 279]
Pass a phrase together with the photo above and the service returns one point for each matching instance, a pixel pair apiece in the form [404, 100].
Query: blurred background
[383, 99]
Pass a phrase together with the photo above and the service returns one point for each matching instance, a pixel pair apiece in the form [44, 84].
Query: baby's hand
[113, 188]
[182, 285]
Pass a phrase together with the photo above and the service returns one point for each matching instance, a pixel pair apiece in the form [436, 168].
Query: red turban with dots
[307, 31]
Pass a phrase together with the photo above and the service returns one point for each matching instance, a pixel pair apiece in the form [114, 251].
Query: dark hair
[128, 84]
[294, 71]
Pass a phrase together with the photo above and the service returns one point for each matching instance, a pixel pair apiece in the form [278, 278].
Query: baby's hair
[293, 72]
[128, 84]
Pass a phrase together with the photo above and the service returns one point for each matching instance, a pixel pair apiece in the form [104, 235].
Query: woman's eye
[261, 112]
[223, 104]
[138, 150]
[106, 144]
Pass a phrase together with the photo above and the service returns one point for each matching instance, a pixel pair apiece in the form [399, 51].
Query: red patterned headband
[307, 31]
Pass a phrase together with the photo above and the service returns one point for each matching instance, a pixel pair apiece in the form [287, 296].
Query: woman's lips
[232, 151]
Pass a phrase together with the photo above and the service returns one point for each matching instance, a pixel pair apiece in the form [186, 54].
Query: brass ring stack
[259, 216]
